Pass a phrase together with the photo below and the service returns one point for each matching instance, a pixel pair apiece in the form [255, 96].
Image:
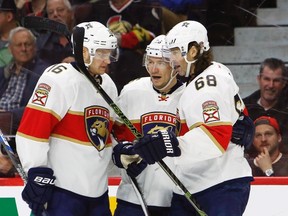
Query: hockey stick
[16, 162]
[78, 35]
[42, 23]
[13, 157]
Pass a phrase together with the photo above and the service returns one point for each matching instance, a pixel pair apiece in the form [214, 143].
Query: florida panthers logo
[97, 122]
[153, 122]
[158, 128]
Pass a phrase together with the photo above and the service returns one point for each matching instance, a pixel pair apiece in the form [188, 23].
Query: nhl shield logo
[97, 125]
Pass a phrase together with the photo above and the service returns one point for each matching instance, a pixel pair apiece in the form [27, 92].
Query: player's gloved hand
[39, 188]
[120, 27]
[155, 147]
[243, 131]
[123, 156]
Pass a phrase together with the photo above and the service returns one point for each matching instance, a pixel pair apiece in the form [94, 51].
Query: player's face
[100, 61]
[178, 62]
[266, 137]
[271, 84]
[159, 71]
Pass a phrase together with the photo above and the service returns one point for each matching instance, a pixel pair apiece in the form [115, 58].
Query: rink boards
[268, 197]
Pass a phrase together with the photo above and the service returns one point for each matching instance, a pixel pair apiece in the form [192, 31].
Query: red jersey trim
[220, 135]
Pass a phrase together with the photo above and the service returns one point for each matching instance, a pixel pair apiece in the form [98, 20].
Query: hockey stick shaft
[79, 33]
[140, 196]
[15, 161]
[43, 23]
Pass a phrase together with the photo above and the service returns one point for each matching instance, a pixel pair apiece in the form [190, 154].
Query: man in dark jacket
[18, 79]
[270, 99]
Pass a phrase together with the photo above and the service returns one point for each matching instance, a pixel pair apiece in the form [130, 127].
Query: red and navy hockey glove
[243, 131]
[39, 188]
[123, 156]
[155, 147]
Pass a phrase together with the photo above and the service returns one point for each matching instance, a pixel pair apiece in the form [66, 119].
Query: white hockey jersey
[209, 106]
[149, 111]
[63, 118]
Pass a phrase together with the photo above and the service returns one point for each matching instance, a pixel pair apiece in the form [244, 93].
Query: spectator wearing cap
[269, 161]
[8, 21]
[270, 98]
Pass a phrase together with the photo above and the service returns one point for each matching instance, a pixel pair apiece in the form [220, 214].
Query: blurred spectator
[6, 166]
[269, 160]
[31, 7]
[52, 47]
[8, 21]
[183, 8]
[135, 23]
[18, 79]
[270, 100]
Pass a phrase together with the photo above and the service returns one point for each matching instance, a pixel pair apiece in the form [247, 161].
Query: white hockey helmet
[158, 48]
[98, 36]
[185, 32]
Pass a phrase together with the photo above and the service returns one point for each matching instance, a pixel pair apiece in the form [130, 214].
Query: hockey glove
[123, 156]
[243, 131]
[121, 27]
[142, 34]
[39, 188]
[155, 147]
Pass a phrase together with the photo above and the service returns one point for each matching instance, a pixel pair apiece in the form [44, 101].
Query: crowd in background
[25, 53]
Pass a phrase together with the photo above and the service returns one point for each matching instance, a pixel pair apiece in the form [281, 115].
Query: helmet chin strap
[189, 63]
[169, 82]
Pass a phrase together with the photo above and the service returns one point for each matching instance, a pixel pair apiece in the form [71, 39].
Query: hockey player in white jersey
[150, 104]
[212, 164]
[64, 140]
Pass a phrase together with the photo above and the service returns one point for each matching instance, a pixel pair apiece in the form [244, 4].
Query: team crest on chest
[153, 122]
[210, 111]
[97, 122]
[41, 93]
